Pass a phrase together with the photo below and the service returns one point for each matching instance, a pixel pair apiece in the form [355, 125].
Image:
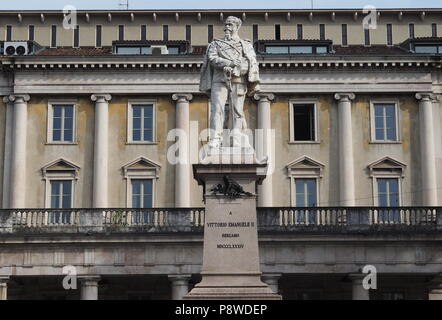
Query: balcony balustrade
[173, 220]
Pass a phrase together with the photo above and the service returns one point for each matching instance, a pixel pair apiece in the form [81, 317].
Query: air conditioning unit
[16, 48]
[158, 50]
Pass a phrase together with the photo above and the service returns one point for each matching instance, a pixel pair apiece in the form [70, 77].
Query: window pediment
[387, 166]
[141, 166]
[60, 166]
[305, 166]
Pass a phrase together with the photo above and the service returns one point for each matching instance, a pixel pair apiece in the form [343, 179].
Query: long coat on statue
[216, 47]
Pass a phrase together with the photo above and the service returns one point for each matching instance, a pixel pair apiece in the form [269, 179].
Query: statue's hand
[228, 70]
[235, 63]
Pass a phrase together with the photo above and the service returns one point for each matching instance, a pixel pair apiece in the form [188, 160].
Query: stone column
[435, 288]
[265, 190]
[101, 151]
[428, 160]
[346, 171]
[182, 168]
[89, 287]
[8, 151]
[271, 279]
[17, 189]
[358, 291]
[180, 285]
[4, 287]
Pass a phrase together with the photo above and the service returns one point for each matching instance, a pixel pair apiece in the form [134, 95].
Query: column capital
[264, 96]
[17, 98]
[425, 96]
[344, 96]
[182, 97]
[101, 97]
[356, 277]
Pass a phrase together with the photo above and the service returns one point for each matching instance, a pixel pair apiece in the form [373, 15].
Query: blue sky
[210, 4]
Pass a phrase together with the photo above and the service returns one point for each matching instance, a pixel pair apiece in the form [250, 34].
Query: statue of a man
[229, 73]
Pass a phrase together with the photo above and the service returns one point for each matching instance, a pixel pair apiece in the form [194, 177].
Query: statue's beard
[228, 35]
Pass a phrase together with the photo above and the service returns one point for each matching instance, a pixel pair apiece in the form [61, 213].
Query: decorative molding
[182, 97]
[264, 97]
[345, 96]
[425, 96]
[101, 97]
[60, 165]
[387, 164]
[19, 98]
[141, 164]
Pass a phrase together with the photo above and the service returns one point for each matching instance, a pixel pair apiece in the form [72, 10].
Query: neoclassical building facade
[87, 144]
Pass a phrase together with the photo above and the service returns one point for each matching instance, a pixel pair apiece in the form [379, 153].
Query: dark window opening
[189, 33]
[300, 35]
[344, 35]
[54, 36]
[304, 122]
[77, 36]
[322, 32]
[367, 37]
[31, 33]
[166, 33]
[411, 30]
[144, 32]
[389, 34]
[210, 33]
[98, 36]
[277, 32]
[434, 30]
[255, 33]
[8, 33]
[121, 32]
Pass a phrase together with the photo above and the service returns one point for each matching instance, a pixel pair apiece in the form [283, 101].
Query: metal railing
[341, 219]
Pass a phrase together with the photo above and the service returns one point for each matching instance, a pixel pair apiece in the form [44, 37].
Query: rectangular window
[31, 33]
[209, 33]
[121, 32]
[389, 34]
[388, 196]
[322, 32]
[189, 33]
[98, 36]
[61, 194]
[142, 193]
[143, 32]
[62, 123]
[367, 37]
[434, 30]
[306, 196]
[300, 35]
[255, 33]
[385, 122]
[142, 122]
[8, 33]
[277, 32]
[344, 35]
[304, 122]
[411, 30]
[77, 36]
[166, 32]
[54, 36]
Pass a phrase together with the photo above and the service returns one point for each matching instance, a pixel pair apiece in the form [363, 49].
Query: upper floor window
[77, 36]
[141, 123]
[255, 33]
[367, 37]
[121, 32]
[61, 122]
[189, 33]
[8, 33]
[166, 32]
[31, 33]
[431, 49]
[303, 122]
[389, 34]
[143, 32]
[142, 193]
[300, 33]
[210, 33]
[277, 32]
[61, 194]
[322, 31]
[434, 30]
[53, 36]
[98, 31]
[344, 35]
[306, 195]
[384, 122]
[411, 30]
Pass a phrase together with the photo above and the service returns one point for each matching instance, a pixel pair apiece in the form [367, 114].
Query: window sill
[61, 143]
[385, 142]
[142, 143]
[304, 142]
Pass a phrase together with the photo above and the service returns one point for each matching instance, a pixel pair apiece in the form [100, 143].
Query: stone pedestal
[231, 268]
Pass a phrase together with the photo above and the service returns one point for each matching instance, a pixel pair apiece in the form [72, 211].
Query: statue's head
[231, 26]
